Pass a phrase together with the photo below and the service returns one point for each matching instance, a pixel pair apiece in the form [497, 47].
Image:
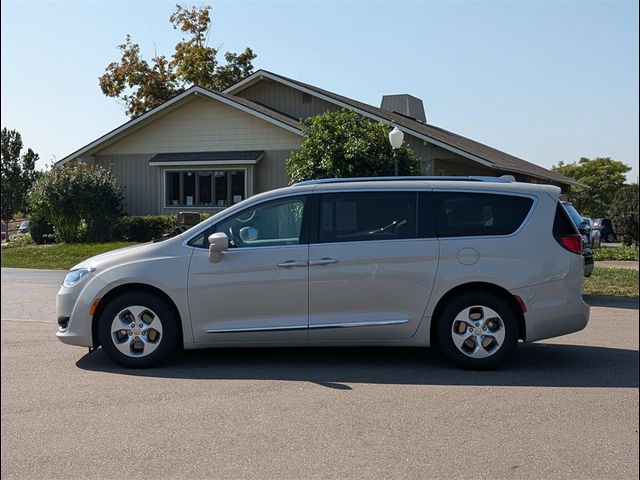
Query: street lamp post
[395, 139]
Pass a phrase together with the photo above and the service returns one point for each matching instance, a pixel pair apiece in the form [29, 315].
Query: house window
[204, 188]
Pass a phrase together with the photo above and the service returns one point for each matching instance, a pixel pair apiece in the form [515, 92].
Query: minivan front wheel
[478, 331]
[138, 329]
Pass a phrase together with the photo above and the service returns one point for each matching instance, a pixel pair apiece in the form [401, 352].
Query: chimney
[404, 104]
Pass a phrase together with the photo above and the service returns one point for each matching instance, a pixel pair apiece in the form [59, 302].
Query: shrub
[77, 194]
[41, 231]
[624, 214]
[346, 144]
[143, 228]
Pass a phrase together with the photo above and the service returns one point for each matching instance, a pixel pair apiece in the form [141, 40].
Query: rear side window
[461, 214]
[562, 223]
[367, 216]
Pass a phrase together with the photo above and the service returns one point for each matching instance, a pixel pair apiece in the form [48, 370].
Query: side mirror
[218, 242]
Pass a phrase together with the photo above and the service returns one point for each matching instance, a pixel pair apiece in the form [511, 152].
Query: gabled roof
[476, 151]
[240, 103]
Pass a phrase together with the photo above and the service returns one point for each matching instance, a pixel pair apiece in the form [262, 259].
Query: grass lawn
[59, 256]
[620, 282]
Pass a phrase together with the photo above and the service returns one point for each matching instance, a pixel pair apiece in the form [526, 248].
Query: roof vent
[406, 105]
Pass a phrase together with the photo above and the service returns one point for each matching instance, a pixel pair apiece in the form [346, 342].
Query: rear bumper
[553, 309]
[588, 262]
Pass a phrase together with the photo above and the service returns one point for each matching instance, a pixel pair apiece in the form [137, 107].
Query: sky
[545, 81]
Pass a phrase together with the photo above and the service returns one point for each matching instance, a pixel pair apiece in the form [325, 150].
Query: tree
[78, 195]
[346, 144]
[18, 172]
[142, 86]
[603, 175]
[624, 214]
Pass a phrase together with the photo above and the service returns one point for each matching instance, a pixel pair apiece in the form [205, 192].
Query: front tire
[478, 331]
[138, 330]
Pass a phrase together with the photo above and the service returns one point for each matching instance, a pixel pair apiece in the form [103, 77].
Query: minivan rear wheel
[138, 330]
[478, 331]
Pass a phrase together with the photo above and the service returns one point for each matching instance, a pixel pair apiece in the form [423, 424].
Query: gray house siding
[287, 100]
[271, 171]
[141, 183]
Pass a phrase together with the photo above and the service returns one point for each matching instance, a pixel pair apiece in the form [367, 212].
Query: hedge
[145, 228]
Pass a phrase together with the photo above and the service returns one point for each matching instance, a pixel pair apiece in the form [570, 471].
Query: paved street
[564, 408]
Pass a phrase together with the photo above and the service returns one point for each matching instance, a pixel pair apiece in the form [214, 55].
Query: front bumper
[69, 305]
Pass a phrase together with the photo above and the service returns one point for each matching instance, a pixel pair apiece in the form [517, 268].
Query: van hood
[122, 255]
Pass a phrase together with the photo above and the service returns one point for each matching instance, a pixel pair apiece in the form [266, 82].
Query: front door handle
[323, 261]
[292, 264]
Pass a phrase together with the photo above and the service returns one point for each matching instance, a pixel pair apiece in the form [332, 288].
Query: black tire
[502, 351]
[168, 339]
[611, 238]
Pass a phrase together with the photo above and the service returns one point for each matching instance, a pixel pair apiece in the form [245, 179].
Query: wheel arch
[127, 288]
[476, 287]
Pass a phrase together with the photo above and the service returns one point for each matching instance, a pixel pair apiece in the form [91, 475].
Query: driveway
[564, 408]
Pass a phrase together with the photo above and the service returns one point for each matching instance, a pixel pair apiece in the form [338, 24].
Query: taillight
[573, 243]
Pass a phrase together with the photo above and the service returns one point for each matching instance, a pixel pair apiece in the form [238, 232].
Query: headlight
[74, 276]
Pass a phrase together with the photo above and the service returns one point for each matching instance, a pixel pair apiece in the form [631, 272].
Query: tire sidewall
[168, 340]
[509, 319]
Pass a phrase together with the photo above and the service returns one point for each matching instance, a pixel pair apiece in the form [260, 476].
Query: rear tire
[478, 331]
[611, 238]
[138, 330]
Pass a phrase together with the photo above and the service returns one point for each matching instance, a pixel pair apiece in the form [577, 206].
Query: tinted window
[269, 224]
[562, 224]
[365, 216]
[573, 213]
[460, 214]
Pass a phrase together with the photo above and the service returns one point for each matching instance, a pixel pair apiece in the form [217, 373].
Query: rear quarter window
[462, 214]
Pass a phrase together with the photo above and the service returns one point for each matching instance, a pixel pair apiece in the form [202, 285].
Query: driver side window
[271, 224]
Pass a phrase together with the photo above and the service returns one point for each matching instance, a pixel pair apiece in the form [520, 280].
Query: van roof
[503, 179]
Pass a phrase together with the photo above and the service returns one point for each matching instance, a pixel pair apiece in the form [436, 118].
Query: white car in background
[594, 233]
[472, 265]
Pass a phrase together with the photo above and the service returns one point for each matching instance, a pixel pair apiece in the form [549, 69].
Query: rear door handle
[292, 264]
[323, 261]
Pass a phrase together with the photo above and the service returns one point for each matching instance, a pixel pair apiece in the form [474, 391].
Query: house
[204, 150]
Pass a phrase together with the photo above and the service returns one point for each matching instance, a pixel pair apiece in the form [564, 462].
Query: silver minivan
[470, 264]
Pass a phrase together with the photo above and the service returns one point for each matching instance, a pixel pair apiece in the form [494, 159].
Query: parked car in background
[24, 226]
[472, 265]
[4, 234]
[605, 227]
[583, 227]
[594, 234]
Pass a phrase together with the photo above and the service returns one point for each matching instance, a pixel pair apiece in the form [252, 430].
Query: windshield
[573, 213]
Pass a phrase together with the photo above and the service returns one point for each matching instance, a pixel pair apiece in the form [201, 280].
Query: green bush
[346, 144]
[143, 228]
[624, 214]
[81, 201]
[616, 253]
[41, 231]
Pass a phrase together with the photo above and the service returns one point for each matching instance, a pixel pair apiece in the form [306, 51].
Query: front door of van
[259, 290]
[370, 275]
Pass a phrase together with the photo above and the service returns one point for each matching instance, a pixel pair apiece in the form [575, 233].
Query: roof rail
[433, 178]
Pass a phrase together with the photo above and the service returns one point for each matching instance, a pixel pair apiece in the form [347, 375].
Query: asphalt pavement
[563, 408]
